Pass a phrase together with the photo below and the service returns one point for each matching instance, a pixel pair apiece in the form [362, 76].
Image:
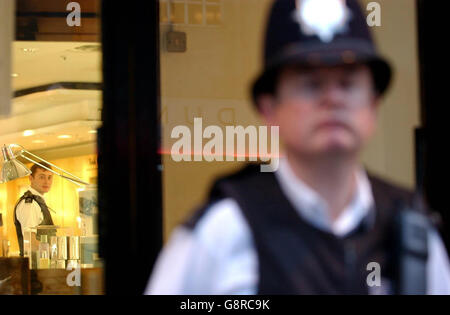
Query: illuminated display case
[54, 247]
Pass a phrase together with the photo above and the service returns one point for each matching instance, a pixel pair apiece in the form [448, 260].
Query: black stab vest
[296, 258]
[47, 218]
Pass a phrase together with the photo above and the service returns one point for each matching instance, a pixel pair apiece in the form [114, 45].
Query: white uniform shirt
[219, 256]
[29, 214]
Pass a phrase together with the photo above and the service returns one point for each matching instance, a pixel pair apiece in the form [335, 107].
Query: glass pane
[195, 14]
[55, 112]
[177, 12]
[213, 14]
[163, 13]
[207, 84]
[212, 77]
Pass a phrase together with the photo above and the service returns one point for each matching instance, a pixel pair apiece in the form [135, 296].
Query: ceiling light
[13, 169]
[28, 133]
[14, 75]
[38, 141]
[29, 50]
[64, 137]
[92, 131]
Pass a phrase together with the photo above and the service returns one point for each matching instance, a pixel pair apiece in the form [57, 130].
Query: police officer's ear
[266, 107]
[376, 99]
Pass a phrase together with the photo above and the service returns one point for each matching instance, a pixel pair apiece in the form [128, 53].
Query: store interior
[55, 112]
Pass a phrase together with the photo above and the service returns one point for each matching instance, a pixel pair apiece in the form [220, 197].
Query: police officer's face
[42, 180]
[323, 110]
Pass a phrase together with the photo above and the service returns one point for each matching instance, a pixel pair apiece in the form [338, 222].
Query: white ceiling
[40, 63]
[38, 120]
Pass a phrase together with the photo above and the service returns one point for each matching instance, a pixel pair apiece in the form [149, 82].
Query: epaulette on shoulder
[28, 196]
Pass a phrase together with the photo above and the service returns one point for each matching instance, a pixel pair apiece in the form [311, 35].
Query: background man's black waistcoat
[293, 256]
[47, 218]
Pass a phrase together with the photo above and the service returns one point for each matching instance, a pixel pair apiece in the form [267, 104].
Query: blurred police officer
[317, 223]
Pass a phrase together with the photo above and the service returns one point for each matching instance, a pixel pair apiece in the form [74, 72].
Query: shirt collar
[35, 192]
[313, 208]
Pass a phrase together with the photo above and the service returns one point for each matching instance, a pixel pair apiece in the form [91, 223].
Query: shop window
[54, 115]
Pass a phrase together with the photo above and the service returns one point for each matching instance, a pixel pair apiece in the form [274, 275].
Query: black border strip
[433, 67]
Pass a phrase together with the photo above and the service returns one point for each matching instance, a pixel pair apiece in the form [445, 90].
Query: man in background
[31, 209]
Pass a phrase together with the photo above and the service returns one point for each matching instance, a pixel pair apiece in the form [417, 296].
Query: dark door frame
[432, 162]
[130, 210]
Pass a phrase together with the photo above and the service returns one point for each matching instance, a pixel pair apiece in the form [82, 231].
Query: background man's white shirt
[29, 214]
[219, 256]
